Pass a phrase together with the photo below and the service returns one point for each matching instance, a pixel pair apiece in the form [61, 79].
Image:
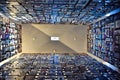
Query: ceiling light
[99, 1]
[23, 17]
[107, 1]
[113, 12]
[7, 2]
[107, 15]
[2, 15]
[15, 19]
[19, 18]
[12, 13]
[14, 16]
[55, 38]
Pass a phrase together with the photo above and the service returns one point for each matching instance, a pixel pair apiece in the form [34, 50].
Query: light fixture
[7, 2]
[113, 12]
[13, 18]
[11, 13]
[107, 15]
[55, 38]
[23, 17]
[18, 18]
[2, 15]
